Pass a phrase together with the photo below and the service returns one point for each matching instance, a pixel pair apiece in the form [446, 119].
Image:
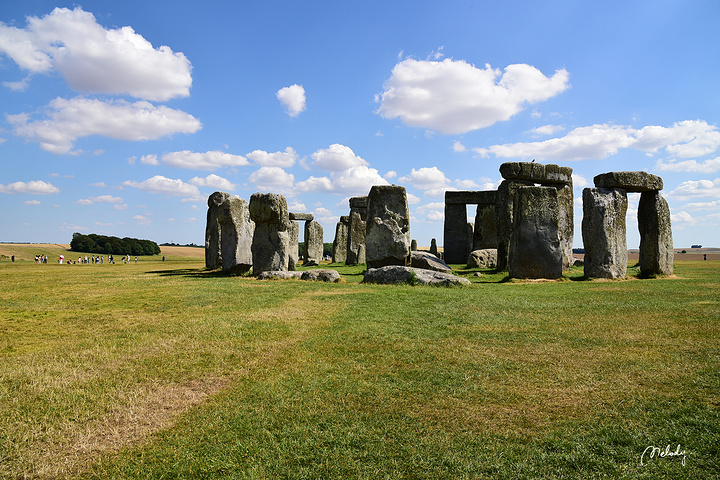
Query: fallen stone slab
[428, 261]
[278, 275]
[483, 258]
[629, 181]
[397, 274]
[321, 275]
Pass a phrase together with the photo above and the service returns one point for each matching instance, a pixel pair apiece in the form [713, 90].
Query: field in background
[159, 369]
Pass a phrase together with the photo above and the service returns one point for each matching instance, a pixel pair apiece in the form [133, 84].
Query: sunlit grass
[163, 369]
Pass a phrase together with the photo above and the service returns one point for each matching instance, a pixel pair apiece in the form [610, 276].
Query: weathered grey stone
[535, 241]
[604, 232]
[656, 242]
[357, 227]
[428, 261]
[471, 197]
[455, 239]
[536, 172]
[270, 246]
[387, 239]
[629, 181]
[236, 234]
[293, 245]
[321, 275]
[433, 247]
[485, 258]
[485, 234]
[306, 217]
[313, 243]
[361, 258]
[566, 222]
[339, 254]
[504, 218]
[345, 219]
[413, 245]
[396, 274]
[279, 275]
[213, 255]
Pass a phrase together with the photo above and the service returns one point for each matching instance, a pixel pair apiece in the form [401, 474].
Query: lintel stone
[536, 172]
[471, 197]
[308, 217]
[629, 181]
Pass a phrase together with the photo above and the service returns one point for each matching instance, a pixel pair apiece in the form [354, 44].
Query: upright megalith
[656, 243]
[458, 241]
[433, 247]
[504, 211]
[535, 240]
[604, 232]
[413, 245]
[270, 245]
[455, 232]
[485, 233]
[293, 245]
[339, 253]
[566, 222]
[387, 239]
[228, 234]
[313, 243]
[213, 255]
[357, 228]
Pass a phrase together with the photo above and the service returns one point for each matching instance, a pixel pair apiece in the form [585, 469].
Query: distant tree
[102, 244]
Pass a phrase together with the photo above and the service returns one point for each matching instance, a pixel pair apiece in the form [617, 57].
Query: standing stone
[313, 243]
[213, 255]
[433, 247]
[535, 241]
[604, 232]
[413, 245]
[357, 228]
[341, 238]
[504, 211]
[236, 234]
[656, 243]
[455, 238]
[293, 245]
[361, 257]
[566, 222]
[387, 239]
[270, 245]
[485, 234]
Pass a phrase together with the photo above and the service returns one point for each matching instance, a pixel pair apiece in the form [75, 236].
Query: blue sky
[120, 118]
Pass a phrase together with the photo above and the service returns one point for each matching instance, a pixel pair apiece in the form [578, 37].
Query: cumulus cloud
[93, 59]
[213, 181]
[292, 98]
[296, 206]
[454, 97]
[268, 177]
[714, 205]
[149, 159]
[431, 212]
[431, 180]
[708, 166]
[336, 158]
[141, 220]
[547, 130]
[68, 120]
[458, 147]
[99, 199]
[35, 187]
[166, 186]
[696, 189]
[352, 181]
[211, 160]
[595, 142]
[390, 174]
[32, 202]
[284, 159]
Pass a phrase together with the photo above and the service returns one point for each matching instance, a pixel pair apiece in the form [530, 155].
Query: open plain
[163, 370]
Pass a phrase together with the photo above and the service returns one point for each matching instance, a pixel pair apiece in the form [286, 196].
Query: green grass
[162, 370]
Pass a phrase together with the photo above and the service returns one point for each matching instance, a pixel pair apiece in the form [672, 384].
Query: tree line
[94, 243]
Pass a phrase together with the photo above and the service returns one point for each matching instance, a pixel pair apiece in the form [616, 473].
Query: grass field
[161, 370]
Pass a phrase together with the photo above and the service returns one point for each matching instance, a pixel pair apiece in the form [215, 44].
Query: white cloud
[682, 217]
[149, 159]
[353, 181]
[431, 180]
[547, 130]
[271, 177]
[32, 202]
[708, 166]
[68, 120]
[19, 86]
[284, 159]
[124, 206]
[466, 184]
[432, 212]
[390, 175]
[93, 59]
[100, 199]
[35, 187]
[315, 184]
[696, 189]
[213, 181]
[211, 160]
[458, 147]
[714, 205]
[167, 186]
[292, 98]
[141, 220]
[296, 206]
[412, 199]
[595, 142]
[579, 181]
[454, 97]
[337, 158]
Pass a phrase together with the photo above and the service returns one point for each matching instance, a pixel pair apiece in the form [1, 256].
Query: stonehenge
[525, 227]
